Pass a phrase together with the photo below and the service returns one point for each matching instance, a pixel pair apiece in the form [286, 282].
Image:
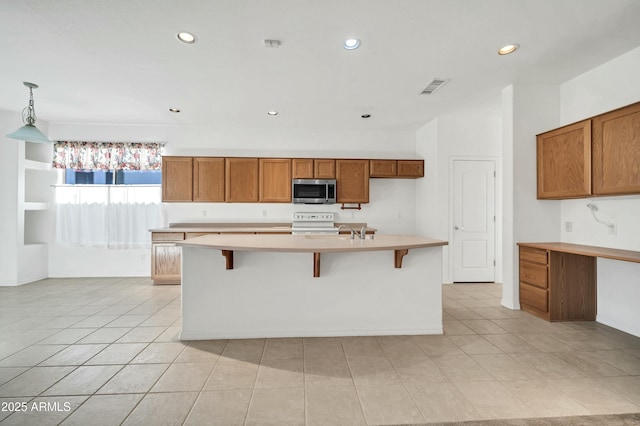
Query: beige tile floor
[105, 351]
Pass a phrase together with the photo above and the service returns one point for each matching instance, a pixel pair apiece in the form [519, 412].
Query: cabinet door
[564, 162]
[572, 287]
[275, 180]
[241, 180]
[324, 168]
[352, 178]
[177, 179]
[208, 179]
[616, 152]
[411, 168]
[302, 168]
[165, 263]
[383, 168]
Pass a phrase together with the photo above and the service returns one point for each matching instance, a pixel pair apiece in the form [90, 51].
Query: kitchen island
[387, 285]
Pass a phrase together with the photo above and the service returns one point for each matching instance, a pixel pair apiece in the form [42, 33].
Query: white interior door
[473, 221]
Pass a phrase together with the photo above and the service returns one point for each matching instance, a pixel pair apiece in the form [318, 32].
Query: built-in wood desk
[558, 280]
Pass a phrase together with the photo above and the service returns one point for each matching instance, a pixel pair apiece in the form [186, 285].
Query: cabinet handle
[458, 228]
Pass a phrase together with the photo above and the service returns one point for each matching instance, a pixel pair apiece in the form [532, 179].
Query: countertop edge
[322, 247]
[587, 250]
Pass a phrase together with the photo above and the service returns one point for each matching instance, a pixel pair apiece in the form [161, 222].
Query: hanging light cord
[30, 111]
[594, 209]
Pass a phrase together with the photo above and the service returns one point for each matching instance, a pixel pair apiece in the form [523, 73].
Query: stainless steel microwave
[314, 191]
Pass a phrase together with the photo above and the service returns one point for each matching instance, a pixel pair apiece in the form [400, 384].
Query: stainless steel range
[313, 223]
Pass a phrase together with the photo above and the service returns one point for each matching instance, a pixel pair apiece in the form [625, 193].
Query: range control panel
[313, 217]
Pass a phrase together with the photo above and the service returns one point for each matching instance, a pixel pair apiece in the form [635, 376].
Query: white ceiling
[117, 61]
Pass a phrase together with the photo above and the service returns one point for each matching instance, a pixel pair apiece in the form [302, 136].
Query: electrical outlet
[613, 229]
[264, 213]
[568, 226]
[204, 213]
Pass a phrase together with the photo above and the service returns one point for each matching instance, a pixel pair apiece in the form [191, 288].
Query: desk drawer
[534, 297]
[534, 274]
[167, 236]
[533, 255]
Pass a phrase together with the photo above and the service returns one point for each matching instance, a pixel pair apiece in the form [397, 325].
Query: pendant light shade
[29, 132]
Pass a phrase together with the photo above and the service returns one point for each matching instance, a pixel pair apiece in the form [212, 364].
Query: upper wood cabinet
[208, 179]
[324, 168]
[251, 180]
[411, 168]
[177, 179]
[352, 178]
[396, 168]
[383, 168]
[302, 168]
[564, 162]
[275, 180]
[616, 151]
[241, 180]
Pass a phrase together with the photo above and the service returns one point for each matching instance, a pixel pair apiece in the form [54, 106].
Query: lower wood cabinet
[165, 257]
[557, 286]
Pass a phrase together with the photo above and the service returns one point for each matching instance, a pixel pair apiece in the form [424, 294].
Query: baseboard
[305, 333]
[632, 329]
[23, 281]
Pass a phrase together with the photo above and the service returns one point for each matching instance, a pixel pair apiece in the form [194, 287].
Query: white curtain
[116, 217]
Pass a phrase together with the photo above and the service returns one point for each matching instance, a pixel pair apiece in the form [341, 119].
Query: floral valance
[107, 155]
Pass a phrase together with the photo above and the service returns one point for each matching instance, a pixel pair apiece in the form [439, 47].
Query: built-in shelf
[36, 165]
[34, 246]
[31, 205]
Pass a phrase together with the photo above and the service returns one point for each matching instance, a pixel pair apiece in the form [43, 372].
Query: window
[120, 163]
[91, 211]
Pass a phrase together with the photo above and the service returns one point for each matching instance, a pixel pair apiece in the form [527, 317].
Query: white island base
[274, 294]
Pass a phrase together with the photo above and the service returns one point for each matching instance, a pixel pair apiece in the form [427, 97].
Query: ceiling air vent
[434, 85]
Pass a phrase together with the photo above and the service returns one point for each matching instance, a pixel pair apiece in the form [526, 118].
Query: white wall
[527, 111]
[392, 201]
[470, 132]
[607, 87]
[9, 122]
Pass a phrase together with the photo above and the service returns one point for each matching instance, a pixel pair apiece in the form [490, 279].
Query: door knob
[460, 228]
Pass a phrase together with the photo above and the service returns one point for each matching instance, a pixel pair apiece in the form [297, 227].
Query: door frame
[497, 229]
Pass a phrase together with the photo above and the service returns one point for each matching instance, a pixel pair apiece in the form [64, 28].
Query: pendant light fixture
[29, 132]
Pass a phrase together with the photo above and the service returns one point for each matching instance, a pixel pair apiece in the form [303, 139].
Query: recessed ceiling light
[366, 116]
[272, 112]
[186, 37]
[351, 43]
[176, 110]
[509, 48]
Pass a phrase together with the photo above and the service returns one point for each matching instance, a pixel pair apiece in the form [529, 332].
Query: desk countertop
[593, 251]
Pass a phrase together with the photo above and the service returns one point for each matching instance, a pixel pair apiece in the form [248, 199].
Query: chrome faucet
[353, 231]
